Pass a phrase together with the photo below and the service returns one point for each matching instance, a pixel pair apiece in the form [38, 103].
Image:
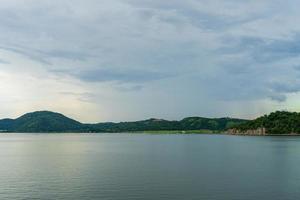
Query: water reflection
[131, 166]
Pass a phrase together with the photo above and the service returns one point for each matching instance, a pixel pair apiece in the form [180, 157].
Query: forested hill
[42, 121]
[45, 121]
[191, 123]
[280, 122]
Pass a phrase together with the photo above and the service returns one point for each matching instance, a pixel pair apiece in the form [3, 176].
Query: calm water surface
[148, 167]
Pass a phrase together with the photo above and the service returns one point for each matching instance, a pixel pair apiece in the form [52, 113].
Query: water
[148, 167]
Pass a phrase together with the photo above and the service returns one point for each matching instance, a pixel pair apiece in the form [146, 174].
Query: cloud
[278, 97]
[125, 80]
[84, 97]
[30, 54]
[264, 50]
[262, 67]
[4, 62]
[128, 76]
[285, 87]
[45, 57]
[196, 52]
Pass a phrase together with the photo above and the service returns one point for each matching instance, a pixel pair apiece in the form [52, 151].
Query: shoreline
[164, 132]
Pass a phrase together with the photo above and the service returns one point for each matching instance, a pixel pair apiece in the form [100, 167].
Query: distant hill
[46, 121]
[42, 121]
[280, 122]
[192, 123]
[6, 124]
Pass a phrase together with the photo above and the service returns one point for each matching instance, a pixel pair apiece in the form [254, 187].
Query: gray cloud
[278, 97]
[229, 50]
[119, 76]
[4, 62]
[264, 68]
[114, 75]
[25, 52]
[45, 57]
[264, 50]
[285, 87]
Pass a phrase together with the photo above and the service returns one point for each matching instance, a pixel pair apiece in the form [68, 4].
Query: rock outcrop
[257, 132]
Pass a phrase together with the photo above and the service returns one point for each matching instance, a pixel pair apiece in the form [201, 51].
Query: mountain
[6, 124]
[41, 121]
[46, 121]
[276, 123]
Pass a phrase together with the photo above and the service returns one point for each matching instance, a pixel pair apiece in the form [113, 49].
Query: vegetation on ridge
[191, 123]
[45, 121]
[280, 122]
[42, 121]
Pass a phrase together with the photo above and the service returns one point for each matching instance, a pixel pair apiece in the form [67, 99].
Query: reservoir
[148, 167]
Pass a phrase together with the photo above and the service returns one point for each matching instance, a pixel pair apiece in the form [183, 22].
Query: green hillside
[45, 121]
[280, 122]
[192, 123]
[42, 121]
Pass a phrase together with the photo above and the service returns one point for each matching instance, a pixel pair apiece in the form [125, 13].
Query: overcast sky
[123, 60]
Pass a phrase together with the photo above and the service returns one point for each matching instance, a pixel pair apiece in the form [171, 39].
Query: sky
[125, 60]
